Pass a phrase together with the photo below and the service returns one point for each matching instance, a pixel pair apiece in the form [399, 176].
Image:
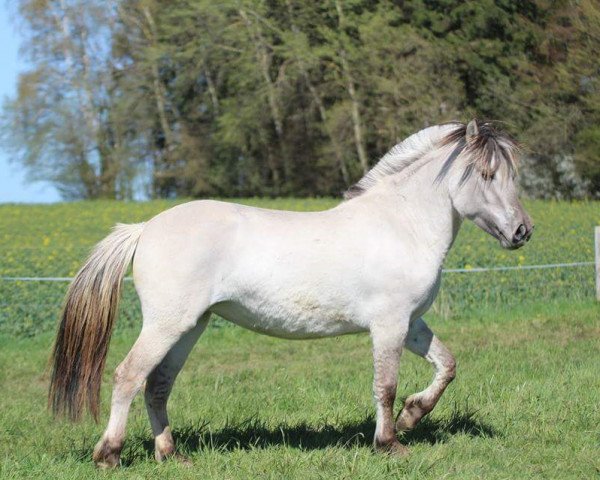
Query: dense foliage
[285, 97]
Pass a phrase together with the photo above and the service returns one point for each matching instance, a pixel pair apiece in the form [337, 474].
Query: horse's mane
[487, 149]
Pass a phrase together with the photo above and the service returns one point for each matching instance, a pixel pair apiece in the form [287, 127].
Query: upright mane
[487, 147]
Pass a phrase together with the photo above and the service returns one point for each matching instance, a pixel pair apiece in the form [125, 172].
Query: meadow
[526, 402]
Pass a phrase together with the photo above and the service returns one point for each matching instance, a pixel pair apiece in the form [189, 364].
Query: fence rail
[30, 305]
[445, 270]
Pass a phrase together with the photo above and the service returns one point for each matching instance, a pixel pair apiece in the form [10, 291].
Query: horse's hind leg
[423, 342]
[156, 339]
[159, 385]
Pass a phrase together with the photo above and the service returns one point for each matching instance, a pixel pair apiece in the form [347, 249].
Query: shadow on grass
[254, 434]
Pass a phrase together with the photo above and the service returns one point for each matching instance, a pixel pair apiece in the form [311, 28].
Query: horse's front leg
[388, 341]
[423, 342]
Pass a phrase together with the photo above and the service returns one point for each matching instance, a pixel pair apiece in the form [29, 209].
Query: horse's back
[293, 274]
[277, 272]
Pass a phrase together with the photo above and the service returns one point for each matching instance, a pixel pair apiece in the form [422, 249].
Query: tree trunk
[85, 169]
[351, 87]
[108, 172]
[264, 62]
[160, 101]
[212, 90]
[337, 149]
[157, 87]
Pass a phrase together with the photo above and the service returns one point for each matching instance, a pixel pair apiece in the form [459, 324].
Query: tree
[283, 97]
[60, 124]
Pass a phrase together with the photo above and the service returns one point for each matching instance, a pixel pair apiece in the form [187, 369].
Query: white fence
[31, 304]
[445, 270]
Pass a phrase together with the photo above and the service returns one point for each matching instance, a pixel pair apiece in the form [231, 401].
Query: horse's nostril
[520, 234]
[529, 233]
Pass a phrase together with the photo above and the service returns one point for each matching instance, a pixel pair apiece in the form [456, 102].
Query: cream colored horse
[371, 264]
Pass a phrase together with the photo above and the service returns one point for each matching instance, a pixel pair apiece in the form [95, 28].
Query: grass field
[526, 402]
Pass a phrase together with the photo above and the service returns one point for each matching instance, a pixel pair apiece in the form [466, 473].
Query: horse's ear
[472, 129]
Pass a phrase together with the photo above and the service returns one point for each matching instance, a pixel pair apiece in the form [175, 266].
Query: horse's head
[482, 183]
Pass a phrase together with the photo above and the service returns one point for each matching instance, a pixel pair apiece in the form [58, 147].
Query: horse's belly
[290, 321]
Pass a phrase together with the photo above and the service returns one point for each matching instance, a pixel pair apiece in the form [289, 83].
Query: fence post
[597, 242]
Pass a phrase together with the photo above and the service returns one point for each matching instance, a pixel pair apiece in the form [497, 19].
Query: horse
[371, 264]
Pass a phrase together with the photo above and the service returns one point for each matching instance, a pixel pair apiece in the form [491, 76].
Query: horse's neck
[422, 207]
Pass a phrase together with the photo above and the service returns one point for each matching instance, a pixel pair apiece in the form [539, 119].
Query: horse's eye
[488, 176]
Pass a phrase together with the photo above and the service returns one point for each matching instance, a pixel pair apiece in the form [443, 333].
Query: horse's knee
[127, 380]
[122, 374]
[450, 369]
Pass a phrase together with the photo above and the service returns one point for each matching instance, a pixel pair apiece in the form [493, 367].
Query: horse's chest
[423, 293]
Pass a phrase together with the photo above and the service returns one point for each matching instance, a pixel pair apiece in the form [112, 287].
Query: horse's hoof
[172, 456]
[411, 414]
[408, 419]
[106, 455]
[393, 448]
[176, 457]
[182, 459]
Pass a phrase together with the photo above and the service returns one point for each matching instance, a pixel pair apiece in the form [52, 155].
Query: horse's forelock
[488, 149]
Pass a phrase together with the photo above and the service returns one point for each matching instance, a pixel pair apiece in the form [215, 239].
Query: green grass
[526, 403]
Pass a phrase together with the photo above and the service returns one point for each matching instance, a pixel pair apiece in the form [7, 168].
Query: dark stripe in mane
[488, 148]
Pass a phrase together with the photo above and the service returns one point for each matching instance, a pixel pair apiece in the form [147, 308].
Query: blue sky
[13, 187]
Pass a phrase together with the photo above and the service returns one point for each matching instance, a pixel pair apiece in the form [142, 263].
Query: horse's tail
[87, 322]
